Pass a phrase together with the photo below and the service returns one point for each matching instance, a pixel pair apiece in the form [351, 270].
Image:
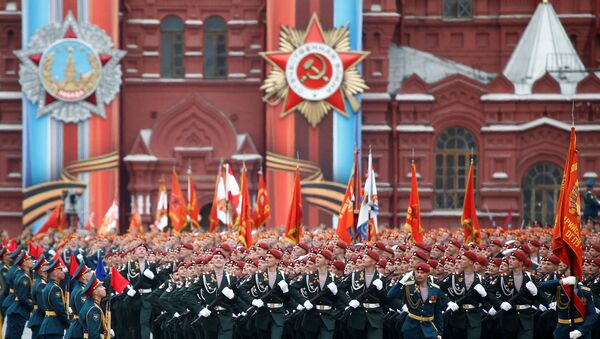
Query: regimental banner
[314, 71]
[70, 76]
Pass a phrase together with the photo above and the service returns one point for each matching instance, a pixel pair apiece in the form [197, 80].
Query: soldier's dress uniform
[142, 276]
[55, 321]
[93, 321]
[19, 311]
[583, 322]
[9, 278]
[38, 312]
[367, 319]
[424, 318]
[77, 299]
[3, 285]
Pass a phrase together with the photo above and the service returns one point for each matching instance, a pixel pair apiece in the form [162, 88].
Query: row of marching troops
[511, 287]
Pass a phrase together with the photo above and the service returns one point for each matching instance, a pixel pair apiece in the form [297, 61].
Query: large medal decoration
[313, 72]
[70, 70]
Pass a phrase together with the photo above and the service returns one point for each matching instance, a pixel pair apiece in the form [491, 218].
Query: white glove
[354, 303]
[406, 277]
[79, 257]
[569, 280]
[531, 288]
[332, 287]
[404, 308]
[480, 290]
[283, 285]
[492, 312]
[131, 292]
[258, 303]
[70, 310]
[574, 334]
[378, 284]
[52, 252]
[205, 312]
[597, 311]
[228, 293]
[505, 306]
[112, 333]
[308, 305]
[299, 307]
[149, 274]
[542, 308]
[452, 306]
[552, 305]
[176, 315]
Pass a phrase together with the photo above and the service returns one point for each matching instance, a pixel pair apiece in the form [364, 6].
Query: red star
[70, 34]
[314, 34]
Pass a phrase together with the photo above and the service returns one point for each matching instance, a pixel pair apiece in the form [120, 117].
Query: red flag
[135, 224]
[413, 213]
[73, 265]
[59, 257]
[214, 218]
[12, 245]
[192, 208]
[346, 228]
[177, 207]
[35, 251]
[244, 220]
[262, 211]
[566, 243]
[508, 221]
[293, 227]
[55, 220]
[469, 214]
[117, 281]
[89, 225]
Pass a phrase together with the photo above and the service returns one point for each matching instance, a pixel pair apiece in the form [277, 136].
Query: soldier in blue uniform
[55, 320]
[95, 325]
[423, 300]
[37, 314]
[591, 203]
[584, 312]
[19, 310]
[80, 277]
[10, 277]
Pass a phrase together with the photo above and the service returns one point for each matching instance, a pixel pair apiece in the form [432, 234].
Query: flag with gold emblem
[293, 226]
[413, 212]
[244, 219]
[469, 214]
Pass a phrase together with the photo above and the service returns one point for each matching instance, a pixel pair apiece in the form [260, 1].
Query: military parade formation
[208, 286]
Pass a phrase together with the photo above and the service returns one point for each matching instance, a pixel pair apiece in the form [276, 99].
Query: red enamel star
[70, 34]
[314, 34]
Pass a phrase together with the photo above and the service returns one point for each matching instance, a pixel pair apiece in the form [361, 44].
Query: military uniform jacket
[10, 296]
[93, 320]
[37, 314]
[562, 309]
[352, 288]
[137, 278]
[549, 296]
[420, 311]
[22, 304]
[503, 287]
[259, 285]
[56, 320]
[3, 286]
[77, 300]
[308, 287]
[210, 292]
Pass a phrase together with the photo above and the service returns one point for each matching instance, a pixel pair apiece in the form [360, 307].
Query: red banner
[262, 211]
[469, 214]
[244, 221]
[413, 213]
[566, 243]
[177, 207]
[293, 227]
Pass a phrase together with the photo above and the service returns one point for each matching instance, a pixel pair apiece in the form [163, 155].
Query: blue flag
[100, 271]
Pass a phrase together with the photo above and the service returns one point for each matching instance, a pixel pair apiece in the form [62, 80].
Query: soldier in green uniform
[10, 277]
[80, 278]
[318, 319]
[142, 275]
[4, 264]
[37, 314]
[366, 320]
[55, 320]
[274, 293]
[19, 311]
[94, 322]
[583, 313]
[423, 300]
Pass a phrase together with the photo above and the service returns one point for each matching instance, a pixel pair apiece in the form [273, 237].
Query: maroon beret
[470, 255]
[188, 246]
[440, 247]
[553, 259]
[525, 249]
[423, 246]
[339, 265]
[373, 255]
[304, 246]
[496, 261]
[263, 245]
[423, 267]
[596, 247]
[227, 248]
[497, 243]
[341, 245]
[455, 243]
[482, 260]
[382, 263]
[219, 251]
[535, 243]
[380, 245]
[520, 255]
[433, 263]
[421, 255]
[275, 252]
[596, 261]
[328, 255]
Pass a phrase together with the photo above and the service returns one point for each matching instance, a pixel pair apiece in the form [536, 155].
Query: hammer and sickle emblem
[316, 73]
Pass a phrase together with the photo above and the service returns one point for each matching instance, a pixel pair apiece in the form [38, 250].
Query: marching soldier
[274, 293]
[142, 276]
[19, 311]
[9, 279]
[4, 264]
[55, 321]
[591, 203]
[37, 314]
[80, 278]
[583, 314]
[365, 295]
[94, 322]
[318, 321]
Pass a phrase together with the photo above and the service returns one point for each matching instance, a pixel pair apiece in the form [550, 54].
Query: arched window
[458, 8]
[215, 48]
[453, 150]
[171, 47]
[540, 187]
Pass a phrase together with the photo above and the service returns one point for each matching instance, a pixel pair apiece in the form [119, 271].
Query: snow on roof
[544, 47]
[405, 61]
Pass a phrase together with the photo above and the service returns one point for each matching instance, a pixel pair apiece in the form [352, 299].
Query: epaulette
[585, 288]
[434, 285]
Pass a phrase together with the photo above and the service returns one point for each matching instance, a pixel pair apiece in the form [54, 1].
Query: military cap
[21, 258]
[91, 285]
[423, 267]
[470, 255]
[326, 253]
[80, 271]
[39, 263]
[421, 255]
[275, 252]
[338, 264]
[55, 264]
[373, 255]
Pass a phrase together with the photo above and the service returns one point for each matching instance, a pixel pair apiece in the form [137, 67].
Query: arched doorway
[540, 187]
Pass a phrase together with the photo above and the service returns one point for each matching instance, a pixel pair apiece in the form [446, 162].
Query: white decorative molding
[140, 158]
[255, 71]
[539, 97]
[193, 53]
[377, 96]
[590, 175]
[9, 95]
[15, 175]
[414, 97]
[409, 175]
[382, 14]
[143, 21]
[256, 46]
[236, 75]
[14, 189]
[247, 157]
[191, 22]
[193, 75]
[193, 149]
[499, 175]
[148, 204]
[242, 22]
[131, 46]
[539, 122]
[132, 70]
[408, 128]
[376, 74]
[11, 127]
[10, 214]
[500, 189]
[376, 128]
[151, 75]
[236, 53]
[375, 8]
[151, 53]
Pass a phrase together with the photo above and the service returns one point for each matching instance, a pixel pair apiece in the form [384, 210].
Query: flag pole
[356, 192]
[571, 259]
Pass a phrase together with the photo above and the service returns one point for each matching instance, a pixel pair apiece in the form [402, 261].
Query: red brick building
[442, 87]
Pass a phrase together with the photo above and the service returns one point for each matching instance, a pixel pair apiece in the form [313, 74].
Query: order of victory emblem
[314, 71]
[70, 70]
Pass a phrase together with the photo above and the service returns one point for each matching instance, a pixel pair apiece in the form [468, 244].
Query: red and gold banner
[192, 207]
[413, 213]
[244, 220]
[293, 226]
[566, 243]
[262, 211]
[469, 215]
[177, 207]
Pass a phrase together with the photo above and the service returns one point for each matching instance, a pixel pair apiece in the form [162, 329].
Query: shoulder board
[408, 283]
[434, 285]
[585, 288]
[528, 274]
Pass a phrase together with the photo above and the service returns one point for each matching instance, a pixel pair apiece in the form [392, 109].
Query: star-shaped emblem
[316, 66]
